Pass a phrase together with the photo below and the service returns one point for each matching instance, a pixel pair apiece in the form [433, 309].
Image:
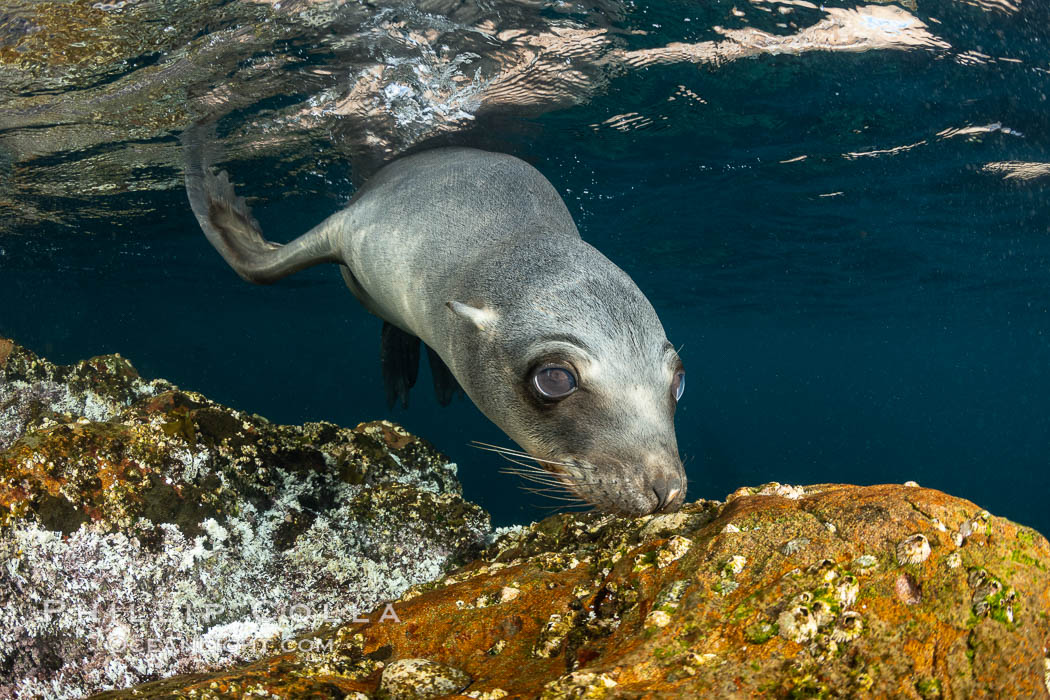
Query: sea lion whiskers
[555, 486]
[518, 453]
[562, 491]
[543, 466]
[501, 450]
[571, 501]
[532, 474]
[533, 471]
[554, 492]
[559, 489]
[580, 508]
[555, 482]
[536, 474]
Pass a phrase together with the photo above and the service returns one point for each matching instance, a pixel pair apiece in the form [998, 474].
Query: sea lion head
[582, 377]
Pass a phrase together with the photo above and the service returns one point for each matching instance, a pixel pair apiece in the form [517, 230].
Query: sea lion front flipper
[446, 386]
[233, 231]
[400, 360]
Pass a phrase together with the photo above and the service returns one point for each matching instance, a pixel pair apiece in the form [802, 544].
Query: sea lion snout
[662, 489]
[669, 492]
[629, 487]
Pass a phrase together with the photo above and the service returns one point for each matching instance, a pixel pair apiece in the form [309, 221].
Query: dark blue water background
[897, 329]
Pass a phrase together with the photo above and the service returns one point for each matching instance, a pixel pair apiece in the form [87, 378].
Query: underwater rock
[32, 390]
[147, 531]
[600, 610]
[419, 679]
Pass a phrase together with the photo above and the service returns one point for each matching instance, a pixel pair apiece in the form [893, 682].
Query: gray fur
[476, 254]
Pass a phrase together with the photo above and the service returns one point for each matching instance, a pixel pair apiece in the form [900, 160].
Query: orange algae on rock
[823, 620]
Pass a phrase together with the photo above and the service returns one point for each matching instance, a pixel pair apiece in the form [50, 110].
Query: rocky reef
[146, 531]
[822, 591]
[164, 501]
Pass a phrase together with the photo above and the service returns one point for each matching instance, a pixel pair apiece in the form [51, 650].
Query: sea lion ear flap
[482, 318]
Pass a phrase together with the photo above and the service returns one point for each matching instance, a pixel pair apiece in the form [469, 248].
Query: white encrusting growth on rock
[256, 533]
[189, 604]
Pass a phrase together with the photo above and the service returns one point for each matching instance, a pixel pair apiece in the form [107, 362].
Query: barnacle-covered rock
[420, 679]
[147, 531]
[914, 549]
[595, 616]
[35, 393]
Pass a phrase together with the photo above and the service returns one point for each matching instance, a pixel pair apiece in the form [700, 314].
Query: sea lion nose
[669, 491]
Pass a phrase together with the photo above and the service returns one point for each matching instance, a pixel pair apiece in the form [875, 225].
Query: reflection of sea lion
[475, 254]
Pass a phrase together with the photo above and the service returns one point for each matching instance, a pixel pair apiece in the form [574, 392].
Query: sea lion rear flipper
[445, 384]
[233, 231]
[400, 360]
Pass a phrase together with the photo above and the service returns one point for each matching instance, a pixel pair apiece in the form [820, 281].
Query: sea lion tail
[228, 222]
[229, 225]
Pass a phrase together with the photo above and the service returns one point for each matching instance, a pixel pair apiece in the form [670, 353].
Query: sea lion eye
[554, 381]
[678, 385]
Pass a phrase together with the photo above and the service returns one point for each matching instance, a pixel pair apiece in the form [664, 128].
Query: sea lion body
[436, 227]
[476, 254]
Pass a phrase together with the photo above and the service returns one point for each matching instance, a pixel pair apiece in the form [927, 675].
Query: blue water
[845, 318]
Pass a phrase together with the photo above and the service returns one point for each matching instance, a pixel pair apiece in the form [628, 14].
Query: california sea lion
[475, 254]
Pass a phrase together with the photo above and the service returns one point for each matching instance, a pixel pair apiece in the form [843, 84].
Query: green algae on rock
[147, 531]
[594, 614]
